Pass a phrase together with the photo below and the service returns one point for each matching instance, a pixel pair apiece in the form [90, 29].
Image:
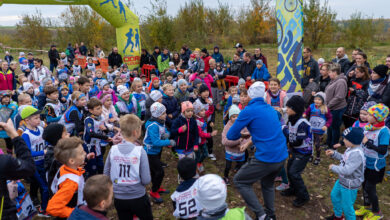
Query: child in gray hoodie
[351, 174]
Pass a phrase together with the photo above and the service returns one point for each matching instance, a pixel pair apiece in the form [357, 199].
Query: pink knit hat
[186, 105]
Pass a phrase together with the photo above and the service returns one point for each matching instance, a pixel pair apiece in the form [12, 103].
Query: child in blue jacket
[261, 72]
[157, 137]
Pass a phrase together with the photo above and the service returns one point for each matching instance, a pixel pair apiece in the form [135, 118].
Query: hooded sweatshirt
[336, 92]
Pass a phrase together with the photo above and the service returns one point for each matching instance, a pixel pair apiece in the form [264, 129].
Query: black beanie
[381, 70]
[203, 88]
[297, 104]
[53, 133]
[186, 168]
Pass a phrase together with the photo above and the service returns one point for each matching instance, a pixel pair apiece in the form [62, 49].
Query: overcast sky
[10, 14]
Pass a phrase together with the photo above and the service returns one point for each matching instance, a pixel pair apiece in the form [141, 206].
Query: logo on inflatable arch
[132, 60]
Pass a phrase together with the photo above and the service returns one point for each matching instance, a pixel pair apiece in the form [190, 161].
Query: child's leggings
[370, 196]
[156, 171]
[228, 167]
[317, 144]
[201, 154]
[343, 200]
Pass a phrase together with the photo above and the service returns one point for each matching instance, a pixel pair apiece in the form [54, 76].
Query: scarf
[377, 126]
[162, 122]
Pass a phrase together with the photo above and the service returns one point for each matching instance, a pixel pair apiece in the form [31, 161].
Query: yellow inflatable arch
[117, 14]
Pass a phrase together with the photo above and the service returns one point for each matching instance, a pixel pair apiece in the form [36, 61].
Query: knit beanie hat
[259, 62]
[186, 105]
[27, 86]
[103, 82]
[171, 64]
[53, 133]
[256, 90]
[234, 110]
[64, 87]
[44, 81]
[381, 70]
[354, 135]
[181, 82]
[203, 88]
[155, 95]
[211, 191]
[198, 107]
[186, 168]
[367, 105]
[297, 104]
[29, 111]
[379, 111]
[196, 82]
[122, 89]
[241, 81]
[157, 109]
[322, 96]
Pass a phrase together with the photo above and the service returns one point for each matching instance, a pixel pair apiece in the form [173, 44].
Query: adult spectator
[336, 92]
[235, 65]
[240, 50]
[311, 71]
[217, 56]
[185, 57]
[39, 72]
[54, 57]
[83, 49]
[342, 59]
[30, 58]
[145, 58]
[206, 58]
[360, 60]
[177, 61]
[247, 67]
[271, 151]
[76, 49]
[155, 55]
[70, 53]
[354, 53]
[259, 56]
[12, 168]
[357, 95]
[115, 59]
[163, 60]
[21, 57]
[7, 79]
[8, 57]
[378, 84]
[324, 78]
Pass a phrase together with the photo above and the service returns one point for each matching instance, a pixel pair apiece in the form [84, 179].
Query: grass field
[318, 179]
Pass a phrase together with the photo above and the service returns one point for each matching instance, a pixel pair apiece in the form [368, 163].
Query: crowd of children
[106, 114]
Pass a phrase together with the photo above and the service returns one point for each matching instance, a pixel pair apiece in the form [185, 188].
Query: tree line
[197, 25]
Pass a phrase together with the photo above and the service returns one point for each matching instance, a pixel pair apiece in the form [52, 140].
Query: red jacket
[6, 80]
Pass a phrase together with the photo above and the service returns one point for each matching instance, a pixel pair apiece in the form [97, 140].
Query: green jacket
[162, 65]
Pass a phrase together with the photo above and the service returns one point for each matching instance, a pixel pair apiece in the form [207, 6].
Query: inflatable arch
[117, 14]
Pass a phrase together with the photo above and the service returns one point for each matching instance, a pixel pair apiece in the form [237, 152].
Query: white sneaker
[282, 187]
[212, 157]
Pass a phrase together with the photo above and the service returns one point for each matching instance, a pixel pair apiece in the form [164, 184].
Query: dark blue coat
[85, 213]
[187, 140]
[172, 108]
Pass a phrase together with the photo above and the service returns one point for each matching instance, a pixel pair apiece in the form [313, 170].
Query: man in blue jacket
[271, 151]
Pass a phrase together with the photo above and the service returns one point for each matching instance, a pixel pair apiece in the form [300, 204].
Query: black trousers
[156, 171]
[228, 167]
[9, 145]
[295, 166]
[140, 207]
[210, 143]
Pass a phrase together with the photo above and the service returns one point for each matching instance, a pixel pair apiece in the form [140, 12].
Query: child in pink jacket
[204, 77]
[232, 148]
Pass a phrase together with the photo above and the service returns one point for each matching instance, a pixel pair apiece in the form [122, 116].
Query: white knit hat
[198, 107]
[155, 95]
[234, 110]
[157, 109]
[122, 89]
[256, 90]
[171, 63]
[211, 191]
[27, 86]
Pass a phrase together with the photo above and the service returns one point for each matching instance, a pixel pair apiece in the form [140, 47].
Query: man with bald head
[342, 59]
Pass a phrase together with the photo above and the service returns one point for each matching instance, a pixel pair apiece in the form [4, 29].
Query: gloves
[165, 136]
[172, 143]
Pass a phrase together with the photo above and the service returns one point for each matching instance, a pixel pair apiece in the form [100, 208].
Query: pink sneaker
[278, 179]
